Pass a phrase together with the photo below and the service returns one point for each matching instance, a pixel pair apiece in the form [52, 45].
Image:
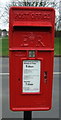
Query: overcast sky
[4, 2]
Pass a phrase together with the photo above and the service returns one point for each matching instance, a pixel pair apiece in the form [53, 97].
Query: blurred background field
[4, 46]
[4, 51]
[57, 46]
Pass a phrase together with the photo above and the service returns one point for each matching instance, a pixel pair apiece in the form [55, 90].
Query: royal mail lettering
[32, 16]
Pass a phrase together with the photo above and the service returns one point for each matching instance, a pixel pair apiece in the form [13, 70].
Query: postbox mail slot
[38, 24]
[32, 37]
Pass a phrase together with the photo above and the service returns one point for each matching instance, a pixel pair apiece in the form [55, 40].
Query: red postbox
[31, 52]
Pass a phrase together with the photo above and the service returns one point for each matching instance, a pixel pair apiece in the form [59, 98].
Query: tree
[59, 20]
[0, 13]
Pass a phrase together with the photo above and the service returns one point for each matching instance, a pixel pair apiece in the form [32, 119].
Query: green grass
[4, 46]
[57, 46]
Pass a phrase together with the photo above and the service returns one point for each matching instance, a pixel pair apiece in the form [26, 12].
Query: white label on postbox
[31, 76]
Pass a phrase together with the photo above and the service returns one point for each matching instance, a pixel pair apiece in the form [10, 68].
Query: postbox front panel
[37, 92]
[31, 45]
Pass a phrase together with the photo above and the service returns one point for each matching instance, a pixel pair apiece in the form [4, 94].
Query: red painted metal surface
[31, 28]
